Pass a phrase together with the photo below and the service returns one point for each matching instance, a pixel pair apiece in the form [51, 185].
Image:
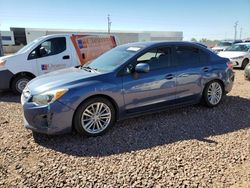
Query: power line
[241, 32]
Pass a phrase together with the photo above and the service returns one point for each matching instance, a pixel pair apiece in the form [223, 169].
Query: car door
[144, 91]
[191, 63]
[52, 54]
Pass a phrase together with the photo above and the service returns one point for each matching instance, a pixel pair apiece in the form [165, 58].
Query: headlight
[48, 97]
[239, 57]
[2, 62]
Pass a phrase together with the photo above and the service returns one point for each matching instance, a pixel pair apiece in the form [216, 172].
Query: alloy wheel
[214, 93]
[96, 117]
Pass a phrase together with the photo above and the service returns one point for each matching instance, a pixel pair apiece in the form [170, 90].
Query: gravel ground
[188, 147]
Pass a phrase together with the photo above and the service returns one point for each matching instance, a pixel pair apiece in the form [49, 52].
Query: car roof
[245, 43]
[161, 43]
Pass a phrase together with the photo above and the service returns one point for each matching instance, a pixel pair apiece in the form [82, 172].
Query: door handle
[205, 69]
[66, 57]
[169, 76]
[183, 75]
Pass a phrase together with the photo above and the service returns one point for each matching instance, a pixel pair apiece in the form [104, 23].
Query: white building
[123, 36]
[14, 39]
[7, 38]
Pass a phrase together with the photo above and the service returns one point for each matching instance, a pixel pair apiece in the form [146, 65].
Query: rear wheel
[244, 63]
[94, 117]
[213, 93]
[19, 83]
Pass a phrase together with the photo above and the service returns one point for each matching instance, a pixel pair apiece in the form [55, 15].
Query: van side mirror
[43, 52]
[142, 68]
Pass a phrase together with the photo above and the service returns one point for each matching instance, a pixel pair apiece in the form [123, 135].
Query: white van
[49, 53]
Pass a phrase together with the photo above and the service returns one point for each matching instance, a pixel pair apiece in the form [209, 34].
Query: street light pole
[235, 30]
[1, 45]
[109, 24]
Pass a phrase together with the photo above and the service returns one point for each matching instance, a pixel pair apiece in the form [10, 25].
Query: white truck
[50, 53]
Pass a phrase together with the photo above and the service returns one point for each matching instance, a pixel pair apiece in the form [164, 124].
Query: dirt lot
[189, 147]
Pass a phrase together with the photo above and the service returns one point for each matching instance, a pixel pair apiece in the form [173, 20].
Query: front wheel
[19, 83]
[244, 63]
[213, 93]
[94, 117]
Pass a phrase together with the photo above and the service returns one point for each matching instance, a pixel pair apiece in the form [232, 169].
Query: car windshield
[112, 59]
[224, 44]
[239, 48]
[29, 46]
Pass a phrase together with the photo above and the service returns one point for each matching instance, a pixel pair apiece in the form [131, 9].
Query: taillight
[230, 65]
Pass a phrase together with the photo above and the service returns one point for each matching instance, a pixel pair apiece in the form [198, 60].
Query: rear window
[186, 55]
[204, 57]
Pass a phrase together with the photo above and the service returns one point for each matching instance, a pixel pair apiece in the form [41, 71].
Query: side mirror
[42, 51]
[142, 68]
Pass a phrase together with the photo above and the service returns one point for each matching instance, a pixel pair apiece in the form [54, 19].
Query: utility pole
[240, 32]
[109, 24]
[1, 44]
[235, 29]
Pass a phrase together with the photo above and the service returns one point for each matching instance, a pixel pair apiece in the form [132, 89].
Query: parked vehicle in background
[50, 53]
[222, 45]
[239, 54]
[247, 71]
[126, 81]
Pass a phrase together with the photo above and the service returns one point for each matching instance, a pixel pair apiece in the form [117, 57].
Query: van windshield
[29, 45]
[112, 59]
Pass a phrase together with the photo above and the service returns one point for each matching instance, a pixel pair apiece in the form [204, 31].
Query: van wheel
[244, 63]
[213, 93]
[19, 83]
[94, 117]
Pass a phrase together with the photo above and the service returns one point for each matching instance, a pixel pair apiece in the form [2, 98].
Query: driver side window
[49, 47]
[156, 58]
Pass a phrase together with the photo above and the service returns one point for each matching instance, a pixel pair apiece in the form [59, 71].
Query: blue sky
[213, 19]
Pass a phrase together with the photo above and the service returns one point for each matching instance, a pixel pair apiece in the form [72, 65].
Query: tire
[213, 93]
[19, 83]
[244, 63]
[87, 123]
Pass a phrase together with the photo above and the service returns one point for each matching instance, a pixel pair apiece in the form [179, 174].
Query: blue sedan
[129, 80]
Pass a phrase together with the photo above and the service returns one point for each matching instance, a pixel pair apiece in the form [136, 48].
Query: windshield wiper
[88, 68]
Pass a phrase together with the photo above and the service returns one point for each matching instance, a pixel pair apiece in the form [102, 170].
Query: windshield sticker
[134, 49]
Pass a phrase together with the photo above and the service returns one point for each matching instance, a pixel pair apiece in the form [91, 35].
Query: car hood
[219, 47]
[6, 57]
[59, 79]
[230, 54]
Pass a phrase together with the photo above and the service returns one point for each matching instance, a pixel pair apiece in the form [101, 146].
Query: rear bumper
[229, 82]
[5, 78]
[52, 119]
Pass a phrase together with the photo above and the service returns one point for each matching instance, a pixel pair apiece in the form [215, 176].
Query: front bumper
[5, 78]
[55, 118]
[236, 62]
[247, 72]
